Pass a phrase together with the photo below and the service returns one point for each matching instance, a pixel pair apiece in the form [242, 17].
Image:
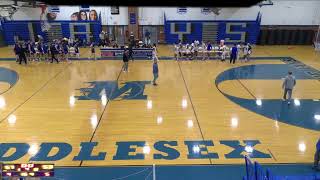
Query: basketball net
[45, 25]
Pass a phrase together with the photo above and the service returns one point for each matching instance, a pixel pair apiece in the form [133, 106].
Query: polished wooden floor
[186, 105]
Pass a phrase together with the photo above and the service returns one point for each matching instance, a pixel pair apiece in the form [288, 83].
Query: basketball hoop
[45, 25]
[215, 11]
[43, 8]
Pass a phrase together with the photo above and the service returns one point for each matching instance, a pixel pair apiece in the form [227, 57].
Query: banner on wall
[82, 13]
[85, 8]
[133, 18]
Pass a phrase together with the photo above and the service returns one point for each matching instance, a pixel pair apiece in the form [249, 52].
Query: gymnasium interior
[100, 92]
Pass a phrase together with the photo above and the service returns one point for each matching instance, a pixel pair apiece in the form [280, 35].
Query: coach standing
[53, 51]
[21, 51]
[233, 54]
[288, 84]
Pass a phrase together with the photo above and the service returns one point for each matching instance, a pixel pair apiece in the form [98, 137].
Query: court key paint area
[90, 113]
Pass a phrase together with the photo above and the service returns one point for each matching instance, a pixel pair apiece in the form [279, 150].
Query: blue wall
[20, 28]
[247, 31]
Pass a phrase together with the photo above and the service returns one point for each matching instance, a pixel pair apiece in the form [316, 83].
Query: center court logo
[132, 90]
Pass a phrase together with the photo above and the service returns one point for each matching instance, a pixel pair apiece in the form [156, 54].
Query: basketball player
[46, 52]
[196, 48]
[239, 51]
[203, 50]
[60, 51]
[155, 71]
[187, 51]
[76, 50]
[36, 52]
[92, 51]
[209, 49]
[131, 52]
[72, 52]
[191, 51]
[180, 49]
[15, 50]
[32, 51]
[224, 52]
[176, 51]
[125, 60]
[247, 50]
[65, 50]
[154, 53]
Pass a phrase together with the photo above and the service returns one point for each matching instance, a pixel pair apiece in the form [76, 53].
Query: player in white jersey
[196, 42]
[176, 51]
[72, 52]
[37, 52]
[154, 53]
[191, 47]
[239, 50]
[196, 49]
[187, 51]
[247, 50]
[203, 50]
[223, 50]
[180, 50]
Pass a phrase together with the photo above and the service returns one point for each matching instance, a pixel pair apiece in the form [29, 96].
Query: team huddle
[65, 48]
[57, 50]
[204, 51]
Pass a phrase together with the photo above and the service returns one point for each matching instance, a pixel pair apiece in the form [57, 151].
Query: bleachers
[232, 31]
[28, 30]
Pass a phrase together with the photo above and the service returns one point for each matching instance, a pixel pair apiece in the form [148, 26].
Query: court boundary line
[272, 154]
[104, 109]
[10, 84]
[273, 157]
[165, 58]
[213, 164]
[246, 88]
[194, 111]
[44, 85]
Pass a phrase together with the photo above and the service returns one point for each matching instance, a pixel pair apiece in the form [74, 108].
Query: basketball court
[91, 119]
[200, 113]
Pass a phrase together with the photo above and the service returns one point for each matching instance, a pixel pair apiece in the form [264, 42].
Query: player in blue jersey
[233, 54]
